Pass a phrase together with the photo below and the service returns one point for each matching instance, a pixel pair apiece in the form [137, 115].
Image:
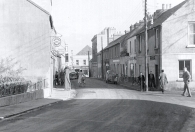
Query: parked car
[111, 77]
[73, 75]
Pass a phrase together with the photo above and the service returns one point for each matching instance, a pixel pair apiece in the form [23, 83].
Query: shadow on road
[105, 115]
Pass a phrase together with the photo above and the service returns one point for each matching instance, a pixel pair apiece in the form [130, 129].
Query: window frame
[77, 63]
[184, 66]
[156, 38]
[140, 43]
[130, 47]
[190, 45]
[84, 62]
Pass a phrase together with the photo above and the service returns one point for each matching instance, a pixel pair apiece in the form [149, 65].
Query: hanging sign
[56, 41]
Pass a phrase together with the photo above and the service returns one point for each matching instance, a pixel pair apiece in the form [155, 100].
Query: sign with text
[56, 41]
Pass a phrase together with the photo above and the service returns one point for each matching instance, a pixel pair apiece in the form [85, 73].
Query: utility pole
[88, 63]
[102, 58]
[146, 45]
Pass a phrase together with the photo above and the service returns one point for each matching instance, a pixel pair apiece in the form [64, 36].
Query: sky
[79, 20]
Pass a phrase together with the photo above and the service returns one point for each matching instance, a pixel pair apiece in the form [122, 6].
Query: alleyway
[101, 107]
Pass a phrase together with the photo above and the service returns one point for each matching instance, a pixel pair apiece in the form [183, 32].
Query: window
[130, 47]
[135, 45]
[139, 69]
[84, 62]
[157, 38]
[140, 43]
[182, 64]
[191, 36]
[77, 62]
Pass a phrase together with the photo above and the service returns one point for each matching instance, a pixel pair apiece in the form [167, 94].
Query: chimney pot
[169, 6]
[163, 6]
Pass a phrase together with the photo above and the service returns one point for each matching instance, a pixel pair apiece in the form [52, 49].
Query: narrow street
[101, 107]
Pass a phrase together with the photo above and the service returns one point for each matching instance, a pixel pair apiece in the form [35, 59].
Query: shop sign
[56, 41]
[116, 60]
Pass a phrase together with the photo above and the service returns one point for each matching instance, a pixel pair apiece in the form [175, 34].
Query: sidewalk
[58, 95]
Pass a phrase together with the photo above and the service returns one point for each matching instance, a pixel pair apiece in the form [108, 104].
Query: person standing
[186, 80]
[163, 81]
[142, 82]
[151, 80]
[81, 74]
[67, 83]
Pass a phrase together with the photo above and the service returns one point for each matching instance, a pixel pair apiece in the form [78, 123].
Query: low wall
[25, 97]
[179, 85]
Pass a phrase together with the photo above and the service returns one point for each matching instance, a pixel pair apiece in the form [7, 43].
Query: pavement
[58, 95]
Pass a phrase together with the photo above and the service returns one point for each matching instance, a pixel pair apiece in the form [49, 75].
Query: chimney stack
[163, 6]
[169, 6]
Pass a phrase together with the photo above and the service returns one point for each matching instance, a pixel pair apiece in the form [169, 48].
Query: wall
[25, 32]
[175, 42]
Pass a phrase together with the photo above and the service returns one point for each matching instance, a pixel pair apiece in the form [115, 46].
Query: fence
[18, 87]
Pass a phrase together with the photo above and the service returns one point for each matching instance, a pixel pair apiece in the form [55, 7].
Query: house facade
[27, 31]
[81, 60]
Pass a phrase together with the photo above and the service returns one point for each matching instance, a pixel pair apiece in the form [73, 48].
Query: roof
[117, 41]
[36, 5]
[85, 50]
[164, 16]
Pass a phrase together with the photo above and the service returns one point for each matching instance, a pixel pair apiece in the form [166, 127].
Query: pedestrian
[151, 81]
[163, 81]
[67, 79]
[56, 78]
[81, 74]
[142, 82]
[186, 79]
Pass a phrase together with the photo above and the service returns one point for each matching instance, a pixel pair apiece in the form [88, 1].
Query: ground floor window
[85, 72]
[182, 64]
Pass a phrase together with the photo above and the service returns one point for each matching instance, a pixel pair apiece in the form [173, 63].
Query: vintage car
[73, 75]
[111, 77]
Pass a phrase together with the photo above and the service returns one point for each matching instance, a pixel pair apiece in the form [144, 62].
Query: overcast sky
[79, 20]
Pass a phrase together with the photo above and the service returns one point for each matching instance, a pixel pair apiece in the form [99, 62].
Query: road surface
[101, 107]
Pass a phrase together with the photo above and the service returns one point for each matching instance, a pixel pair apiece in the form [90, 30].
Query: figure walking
[142, 82]
[186, 80]
[67, 79]
[151, 81]
[163, 81]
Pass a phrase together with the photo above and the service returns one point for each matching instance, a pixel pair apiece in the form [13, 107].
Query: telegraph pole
[88, 63]
[146, 45]
[102, 58]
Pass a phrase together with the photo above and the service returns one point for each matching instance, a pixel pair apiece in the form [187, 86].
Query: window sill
[181, 80]
[190, 46]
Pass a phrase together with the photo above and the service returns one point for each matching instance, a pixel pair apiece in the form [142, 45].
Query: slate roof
[163, 17]
[85, 50]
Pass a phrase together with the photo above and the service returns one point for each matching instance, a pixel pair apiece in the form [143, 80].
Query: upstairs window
[130, 47]
[140, 43]
[157, 38]
[191, 39]
[77, 62]
[135, 45]
[84, 62]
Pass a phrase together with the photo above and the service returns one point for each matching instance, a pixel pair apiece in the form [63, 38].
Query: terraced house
[171, 46]
[170, 43]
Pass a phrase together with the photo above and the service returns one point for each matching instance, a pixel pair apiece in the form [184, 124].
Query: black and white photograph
[97, 65]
